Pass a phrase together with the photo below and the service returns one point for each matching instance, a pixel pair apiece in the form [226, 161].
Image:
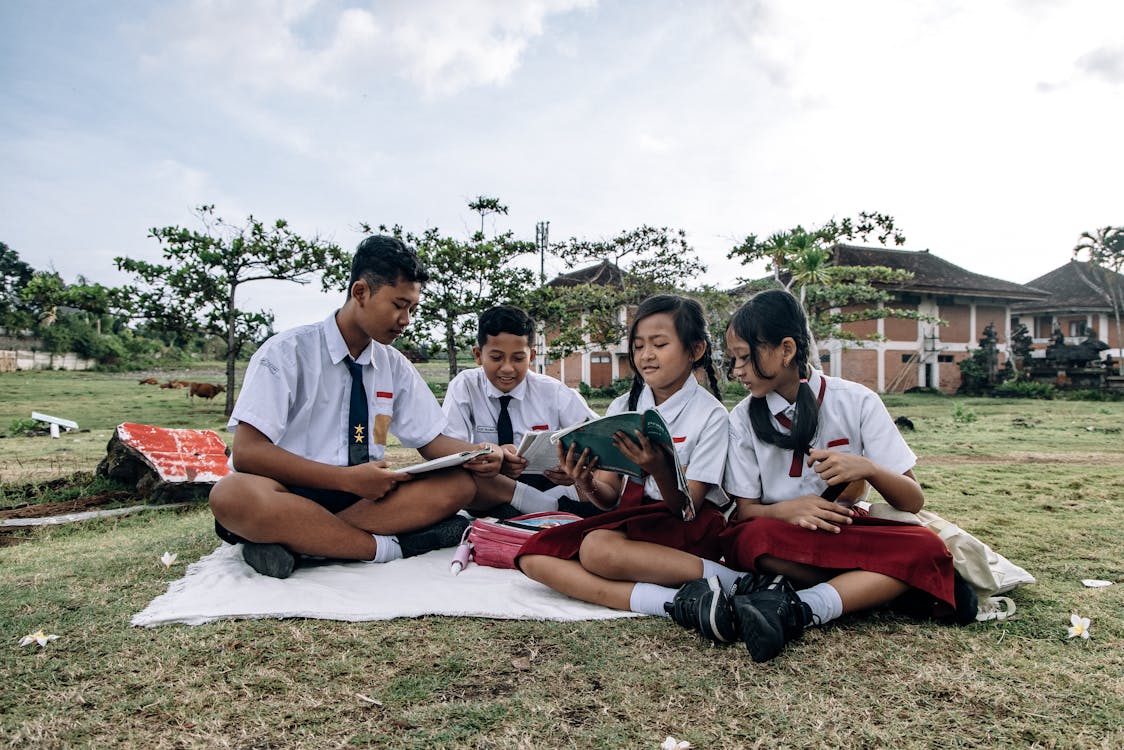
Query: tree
[484, 205]
[465, 278]
[636, 263]
[804, 259]
[1104, 249]
[980, 372]
[195, 288]
[14, 276]
[1022, 344]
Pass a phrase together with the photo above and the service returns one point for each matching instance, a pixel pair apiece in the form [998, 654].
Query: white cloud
[261, 47]
[1105, 62]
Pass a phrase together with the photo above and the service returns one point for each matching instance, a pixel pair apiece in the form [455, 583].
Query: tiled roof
[1070, 289]
[604, 273]
[933, 274]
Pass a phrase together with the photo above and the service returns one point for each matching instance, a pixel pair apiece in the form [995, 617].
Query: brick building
[916, 353]
[598, 367]
[1075, 302]
[911, 353]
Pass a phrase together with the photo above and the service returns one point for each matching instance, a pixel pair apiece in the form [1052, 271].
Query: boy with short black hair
[310, 428]
[503, 399]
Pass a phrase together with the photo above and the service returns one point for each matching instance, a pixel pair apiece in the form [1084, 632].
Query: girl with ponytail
[803, 446]
[636, 555]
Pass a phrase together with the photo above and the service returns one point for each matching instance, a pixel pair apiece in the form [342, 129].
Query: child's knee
[454, 489]
[600, 552]
[533, 566]
[222, 497]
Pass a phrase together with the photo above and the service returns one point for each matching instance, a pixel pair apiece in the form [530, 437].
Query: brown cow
[205, 390]
[148, 381]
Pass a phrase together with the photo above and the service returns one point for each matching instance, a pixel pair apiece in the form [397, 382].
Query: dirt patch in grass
[77, 505]
[946, 459]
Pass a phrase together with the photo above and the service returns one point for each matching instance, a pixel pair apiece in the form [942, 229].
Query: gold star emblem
[359, 433]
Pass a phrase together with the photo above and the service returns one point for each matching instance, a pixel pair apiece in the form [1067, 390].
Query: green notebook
[597, 436]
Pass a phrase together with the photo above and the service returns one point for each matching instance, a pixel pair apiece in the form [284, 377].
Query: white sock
[386, 548]
[649, 598]
[824, 602]
[725, 576]
[526, 499]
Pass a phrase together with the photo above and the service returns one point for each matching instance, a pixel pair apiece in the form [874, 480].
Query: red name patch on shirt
[383, 394]
[679, 439]
[537, 427]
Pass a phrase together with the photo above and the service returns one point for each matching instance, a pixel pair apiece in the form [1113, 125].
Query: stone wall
[25, 359]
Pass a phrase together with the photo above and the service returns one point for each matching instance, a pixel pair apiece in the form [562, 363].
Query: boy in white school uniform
[310, 429]
[503, 399]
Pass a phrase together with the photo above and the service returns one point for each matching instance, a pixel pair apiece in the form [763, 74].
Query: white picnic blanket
[221, 586]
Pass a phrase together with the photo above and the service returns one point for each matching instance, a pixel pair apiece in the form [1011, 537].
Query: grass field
[1039, 481]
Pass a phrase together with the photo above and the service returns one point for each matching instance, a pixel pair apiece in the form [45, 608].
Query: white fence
[23, 359]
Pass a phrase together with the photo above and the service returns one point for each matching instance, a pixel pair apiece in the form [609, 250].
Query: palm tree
[1104, 248]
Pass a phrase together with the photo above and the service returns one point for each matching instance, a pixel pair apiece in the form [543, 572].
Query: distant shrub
[962, 414]
[1092, 395]
[614, 389]
[1026, 389]
[23, 427]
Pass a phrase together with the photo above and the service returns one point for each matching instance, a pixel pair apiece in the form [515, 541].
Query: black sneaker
[444, 533]
[702, 605]
[753, 581]
[770, 617]
[271, 560]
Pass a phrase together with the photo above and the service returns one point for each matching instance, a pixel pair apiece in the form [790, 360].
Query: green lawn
[1039, 481]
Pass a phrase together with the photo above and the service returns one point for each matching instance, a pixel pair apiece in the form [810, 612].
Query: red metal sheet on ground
[178, 455]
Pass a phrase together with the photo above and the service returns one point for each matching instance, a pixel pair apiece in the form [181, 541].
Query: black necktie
[357, 418]
[503, 423]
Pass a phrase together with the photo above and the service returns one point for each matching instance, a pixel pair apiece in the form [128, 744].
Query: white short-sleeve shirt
[852, 419]
[699, 426]
[538, 403]
[297, 392]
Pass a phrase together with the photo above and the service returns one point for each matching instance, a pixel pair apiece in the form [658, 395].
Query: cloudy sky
[990, 129]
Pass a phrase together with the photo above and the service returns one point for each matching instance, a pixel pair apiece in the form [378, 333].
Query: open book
[454, 459]
[597, 436]
[539, 450]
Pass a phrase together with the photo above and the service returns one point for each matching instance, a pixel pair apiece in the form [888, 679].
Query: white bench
[55, 422]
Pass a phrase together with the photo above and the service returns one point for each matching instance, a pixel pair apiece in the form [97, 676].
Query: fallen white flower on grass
[1079, 626]
[673, 744]
[1095, 583]
[37, 637]
[168, 558]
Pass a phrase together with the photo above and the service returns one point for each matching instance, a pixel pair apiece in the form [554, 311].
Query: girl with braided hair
[800, 446]
[635, 555]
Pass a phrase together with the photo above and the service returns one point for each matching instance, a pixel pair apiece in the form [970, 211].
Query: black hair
[766, 319]
[690, 327]
[505, 319]
[382, 260]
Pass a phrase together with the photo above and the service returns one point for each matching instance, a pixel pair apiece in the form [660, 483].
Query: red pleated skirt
[641, 519]
[911, 554]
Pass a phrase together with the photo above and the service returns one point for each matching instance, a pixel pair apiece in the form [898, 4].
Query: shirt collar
[671, 408]
[517, 393]
[337, 347]
[778, 404]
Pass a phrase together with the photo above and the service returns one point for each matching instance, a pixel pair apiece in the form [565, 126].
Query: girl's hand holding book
[640, 450]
